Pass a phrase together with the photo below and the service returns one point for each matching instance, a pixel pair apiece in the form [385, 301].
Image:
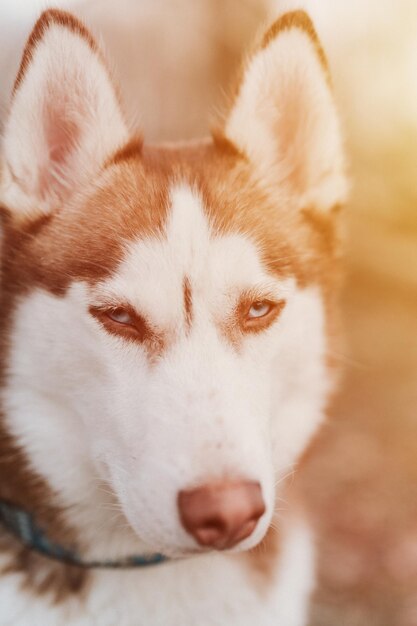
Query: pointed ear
[64, 118]
[284, 117]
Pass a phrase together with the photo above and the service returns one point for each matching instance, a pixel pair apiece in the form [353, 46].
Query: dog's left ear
[64, 119]
[285, 120]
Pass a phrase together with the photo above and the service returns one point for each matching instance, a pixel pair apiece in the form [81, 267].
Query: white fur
[106, 426]
[203, 412]
[206, 590]
[293, 138]
[66, 93]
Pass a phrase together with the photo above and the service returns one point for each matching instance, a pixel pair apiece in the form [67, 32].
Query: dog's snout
[220, 515]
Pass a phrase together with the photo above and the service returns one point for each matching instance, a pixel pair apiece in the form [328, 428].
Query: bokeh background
[360, 477]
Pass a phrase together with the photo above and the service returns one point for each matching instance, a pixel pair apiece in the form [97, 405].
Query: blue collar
[23, 526]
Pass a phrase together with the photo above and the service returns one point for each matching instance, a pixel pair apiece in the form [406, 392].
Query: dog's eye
[121, 316]
[259, 309]
[124, 322]
[257, 315]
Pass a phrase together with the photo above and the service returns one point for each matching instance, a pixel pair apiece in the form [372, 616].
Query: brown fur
[131, 202]
[296, 19]
[47, 19]
[20, 485]
[293, 19]
[188, 303]
[41, 575]
[131, 150]
[238, 324]
[141, 330]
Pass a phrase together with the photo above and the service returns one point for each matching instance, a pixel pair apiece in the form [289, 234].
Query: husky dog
[166, 317]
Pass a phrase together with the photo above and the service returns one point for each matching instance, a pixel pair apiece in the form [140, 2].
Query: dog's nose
[219, 515]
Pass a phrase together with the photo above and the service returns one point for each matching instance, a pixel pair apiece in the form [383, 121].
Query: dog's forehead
[196, 196]
[187, 251]
[189, 200]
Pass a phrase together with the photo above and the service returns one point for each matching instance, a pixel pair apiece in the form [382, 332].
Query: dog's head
[166, 309]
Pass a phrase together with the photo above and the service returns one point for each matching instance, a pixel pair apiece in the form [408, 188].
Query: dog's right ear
[64, 120]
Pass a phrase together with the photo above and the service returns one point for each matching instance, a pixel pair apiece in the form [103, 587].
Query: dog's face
[167, 308]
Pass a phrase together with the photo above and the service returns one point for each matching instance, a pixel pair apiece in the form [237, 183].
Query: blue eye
[259, 309]
[121, 316]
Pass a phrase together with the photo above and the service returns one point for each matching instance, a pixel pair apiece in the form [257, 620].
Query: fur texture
[132, 368]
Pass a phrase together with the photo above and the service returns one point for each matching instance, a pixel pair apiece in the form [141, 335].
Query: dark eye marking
[256, 312]
[123, 321]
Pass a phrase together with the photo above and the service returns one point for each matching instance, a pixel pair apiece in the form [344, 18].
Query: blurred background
[360, 477]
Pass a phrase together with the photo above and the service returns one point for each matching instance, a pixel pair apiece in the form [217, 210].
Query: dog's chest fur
[213, 590]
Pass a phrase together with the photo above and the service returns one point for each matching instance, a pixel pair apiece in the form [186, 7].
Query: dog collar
[23, 526]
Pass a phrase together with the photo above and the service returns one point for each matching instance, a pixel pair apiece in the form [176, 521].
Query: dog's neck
[91, 527]
[24, 527]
